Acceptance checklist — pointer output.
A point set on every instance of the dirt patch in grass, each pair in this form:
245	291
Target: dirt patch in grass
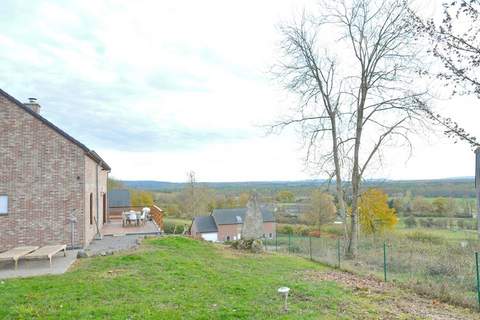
394	300
115	272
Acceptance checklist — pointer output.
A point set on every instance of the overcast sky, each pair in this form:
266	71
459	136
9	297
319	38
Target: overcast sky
159	88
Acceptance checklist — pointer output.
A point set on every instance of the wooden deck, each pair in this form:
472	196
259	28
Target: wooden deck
115	228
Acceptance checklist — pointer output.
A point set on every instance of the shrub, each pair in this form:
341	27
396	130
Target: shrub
426	223
439	223
315	233
284	229
410	222
172	228
253	245
333	229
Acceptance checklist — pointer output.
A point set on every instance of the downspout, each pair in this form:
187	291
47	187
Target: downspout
98	235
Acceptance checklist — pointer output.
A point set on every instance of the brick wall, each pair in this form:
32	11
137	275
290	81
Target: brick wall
269	228
229	230
43	175
233	230
91	167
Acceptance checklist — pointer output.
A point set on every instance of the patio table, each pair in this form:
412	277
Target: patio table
127	213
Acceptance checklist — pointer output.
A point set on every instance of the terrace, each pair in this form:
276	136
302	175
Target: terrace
116	226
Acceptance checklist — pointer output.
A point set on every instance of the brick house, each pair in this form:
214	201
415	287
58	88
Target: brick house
47	179
226	224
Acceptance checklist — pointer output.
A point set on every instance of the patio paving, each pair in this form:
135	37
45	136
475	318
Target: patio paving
115	228
31	268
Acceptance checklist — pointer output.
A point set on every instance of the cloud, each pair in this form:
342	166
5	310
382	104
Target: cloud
161	87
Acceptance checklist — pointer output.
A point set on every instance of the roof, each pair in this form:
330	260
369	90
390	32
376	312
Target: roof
237	215
205	224
90	153
118	198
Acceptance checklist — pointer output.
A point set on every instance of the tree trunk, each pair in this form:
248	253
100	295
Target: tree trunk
338	177
356	175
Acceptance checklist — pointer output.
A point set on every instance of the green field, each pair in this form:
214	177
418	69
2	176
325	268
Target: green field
179	278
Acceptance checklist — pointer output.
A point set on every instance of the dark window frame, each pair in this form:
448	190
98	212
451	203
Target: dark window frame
91	208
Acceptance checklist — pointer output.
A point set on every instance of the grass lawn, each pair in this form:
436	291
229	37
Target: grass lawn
441	233
179	278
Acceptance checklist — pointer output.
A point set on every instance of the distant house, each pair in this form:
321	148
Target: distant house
226	224
53	189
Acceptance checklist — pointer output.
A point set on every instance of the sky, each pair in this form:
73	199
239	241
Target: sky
161	88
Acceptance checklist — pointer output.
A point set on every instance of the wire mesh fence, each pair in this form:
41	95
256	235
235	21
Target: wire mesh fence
446	270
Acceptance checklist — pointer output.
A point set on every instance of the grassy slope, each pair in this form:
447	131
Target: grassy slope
173	278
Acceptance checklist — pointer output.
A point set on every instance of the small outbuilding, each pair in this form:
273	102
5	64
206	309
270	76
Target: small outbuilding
226	224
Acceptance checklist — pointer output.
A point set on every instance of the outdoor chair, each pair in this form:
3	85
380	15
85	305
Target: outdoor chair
146	210
142	217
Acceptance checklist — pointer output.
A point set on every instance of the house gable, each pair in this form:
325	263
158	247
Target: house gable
90	153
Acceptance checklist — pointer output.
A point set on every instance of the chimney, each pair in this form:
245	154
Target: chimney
33	105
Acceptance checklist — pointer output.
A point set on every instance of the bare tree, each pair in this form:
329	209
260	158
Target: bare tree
455	42
366	102
313	77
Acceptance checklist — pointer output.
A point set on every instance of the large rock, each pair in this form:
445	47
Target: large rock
82	254
253	224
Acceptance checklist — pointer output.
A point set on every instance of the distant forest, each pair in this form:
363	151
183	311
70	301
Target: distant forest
452	187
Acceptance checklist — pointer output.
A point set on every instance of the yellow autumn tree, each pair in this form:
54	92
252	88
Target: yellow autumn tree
141	198
375	214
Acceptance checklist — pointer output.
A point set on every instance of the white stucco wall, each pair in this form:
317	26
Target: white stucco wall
210	236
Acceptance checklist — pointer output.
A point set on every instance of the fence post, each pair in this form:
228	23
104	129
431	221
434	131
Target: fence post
478	278
385	261
276	242
289	240
338	252
310	245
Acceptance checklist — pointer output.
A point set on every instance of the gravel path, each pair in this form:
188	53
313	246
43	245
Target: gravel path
110	244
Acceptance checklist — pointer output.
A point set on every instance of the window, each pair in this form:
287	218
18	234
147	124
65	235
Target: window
91	208
270	235
3	204
228	238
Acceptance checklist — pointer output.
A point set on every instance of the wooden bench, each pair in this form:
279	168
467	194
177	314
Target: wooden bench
16	253
47	252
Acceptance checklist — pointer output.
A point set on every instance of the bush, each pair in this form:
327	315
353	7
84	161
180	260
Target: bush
461	223
172	228
439	223
253	245
333	229
315	233
284	229
426	223
410	222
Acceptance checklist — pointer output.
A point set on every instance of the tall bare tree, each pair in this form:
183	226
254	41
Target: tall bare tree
313	77
360	88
